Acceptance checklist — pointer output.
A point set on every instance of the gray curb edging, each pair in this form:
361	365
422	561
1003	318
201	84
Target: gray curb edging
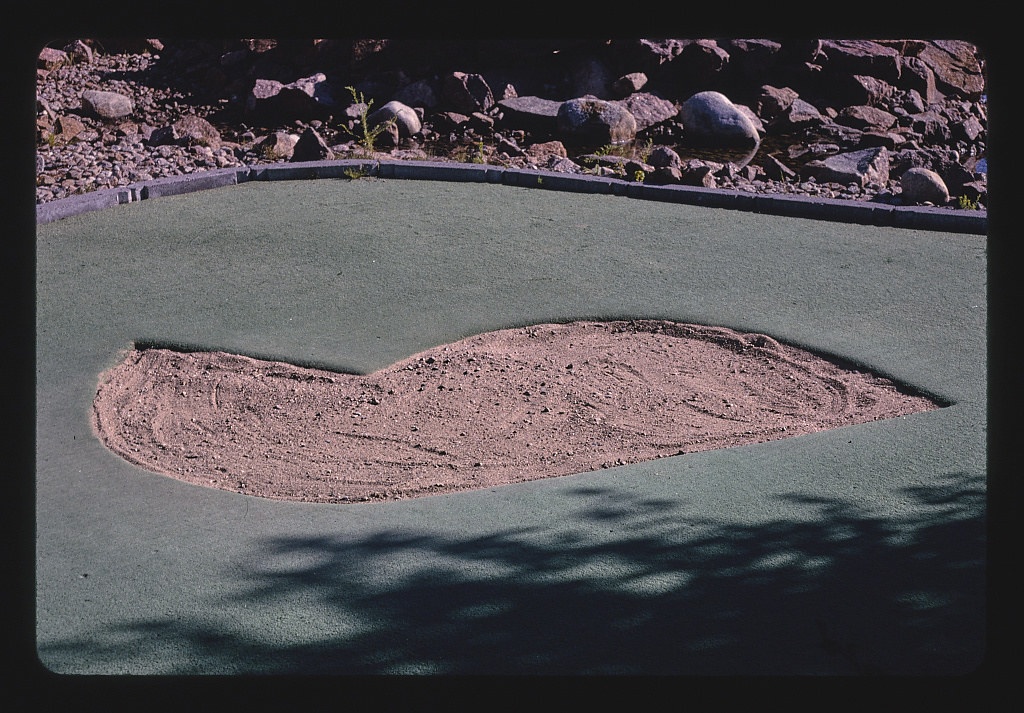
189	183
831	209
85	203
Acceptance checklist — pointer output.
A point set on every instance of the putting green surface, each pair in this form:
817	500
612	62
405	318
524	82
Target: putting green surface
848	551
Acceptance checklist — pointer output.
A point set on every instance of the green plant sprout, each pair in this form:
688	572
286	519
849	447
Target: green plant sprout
639	152
269	153
367	136
352	173
474	153
643	152
965	203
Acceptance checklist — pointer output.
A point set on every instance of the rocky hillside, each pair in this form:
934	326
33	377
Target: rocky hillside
900	121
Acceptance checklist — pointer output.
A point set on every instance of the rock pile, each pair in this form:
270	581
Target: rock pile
899	121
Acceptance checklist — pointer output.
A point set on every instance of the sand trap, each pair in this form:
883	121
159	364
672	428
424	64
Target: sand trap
496	408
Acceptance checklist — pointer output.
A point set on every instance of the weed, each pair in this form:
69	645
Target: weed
620	150
269	153
643	152
473	153
639	152
639	176
965	203
367	135
352	173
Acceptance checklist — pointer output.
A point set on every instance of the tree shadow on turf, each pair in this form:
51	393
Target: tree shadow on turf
839	591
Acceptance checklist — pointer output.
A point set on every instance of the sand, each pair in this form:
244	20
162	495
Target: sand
493	409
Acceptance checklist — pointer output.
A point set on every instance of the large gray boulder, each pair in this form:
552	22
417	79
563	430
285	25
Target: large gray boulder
863	57
922	185
303	98
956	67
868	166
107	105
648	109
404	116
530	113
587	120
711	118
466	92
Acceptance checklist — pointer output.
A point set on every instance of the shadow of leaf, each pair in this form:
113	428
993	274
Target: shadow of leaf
838	591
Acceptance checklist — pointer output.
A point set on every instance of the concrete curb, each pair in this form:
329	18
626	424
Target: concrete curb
830	209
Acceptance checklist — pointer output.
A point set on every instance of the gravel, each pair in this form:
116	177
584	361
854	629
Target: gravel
109	155
115	154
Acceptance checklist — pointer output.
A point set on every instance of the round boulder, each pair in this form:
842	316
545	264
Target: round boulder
922	185
404	116
596	122
710	118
